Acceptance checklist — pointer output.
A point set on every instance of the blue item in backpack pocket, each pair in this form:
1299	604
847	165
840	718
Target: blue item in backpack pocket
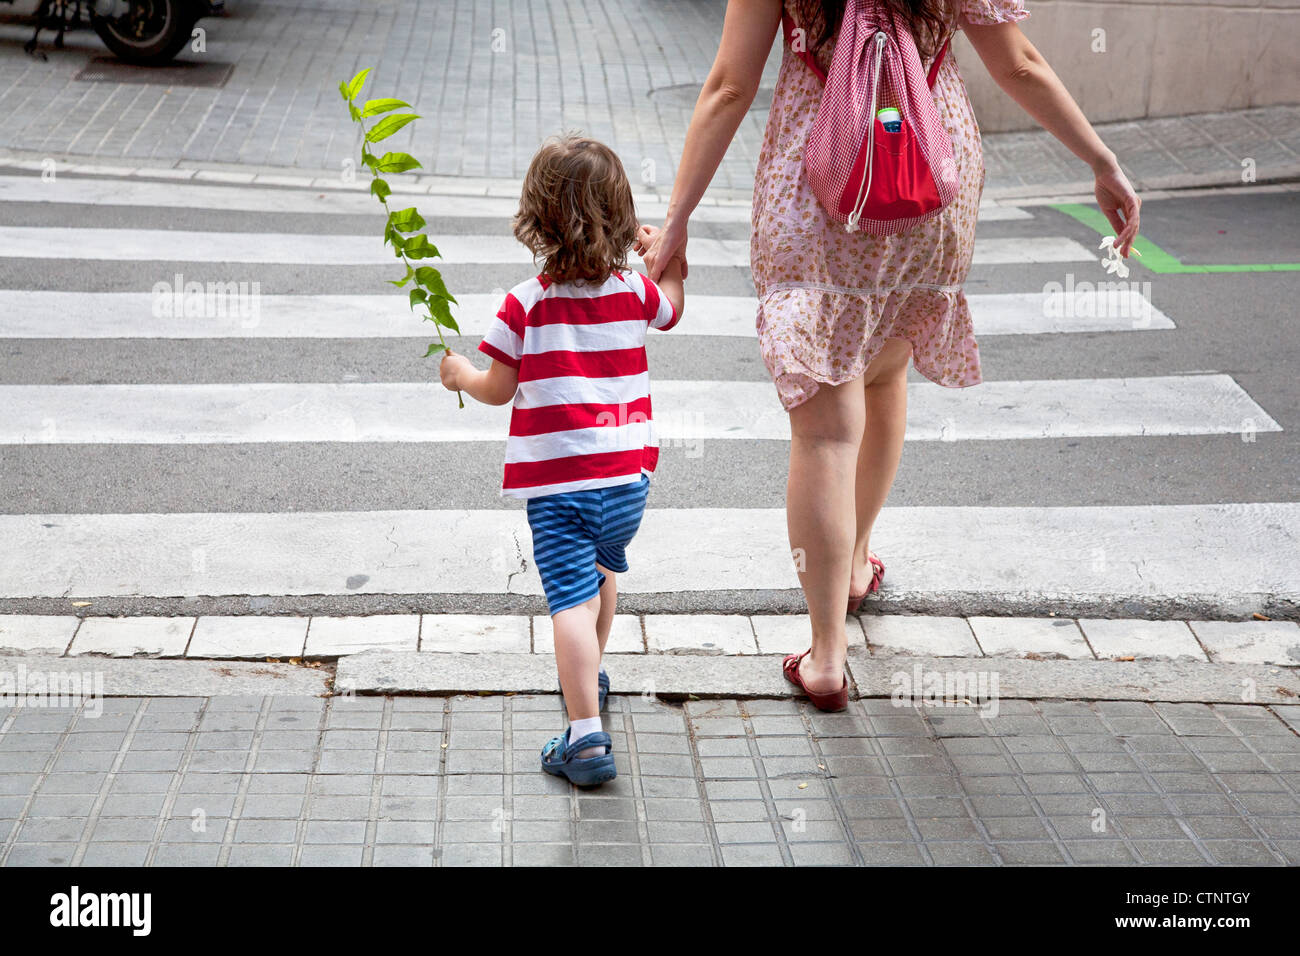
891	119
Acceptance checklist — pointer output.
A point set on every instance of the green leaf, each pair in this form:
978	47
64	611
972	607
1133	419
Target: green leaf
380	188
368	158
407	220
396	163
431	279
355	84
354	113
375	107
419	247
343	89
440	312
435	347
401	282
418	295
389	125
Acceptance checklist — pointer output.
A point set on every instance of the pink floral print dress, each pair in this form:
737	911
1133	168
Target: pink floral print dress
828	299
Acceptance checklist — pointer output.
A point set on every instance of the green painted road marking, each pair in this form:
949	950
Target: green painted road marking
1156	259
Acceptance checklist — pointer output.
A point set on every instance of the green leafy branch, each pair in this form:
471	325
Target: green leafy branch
403	229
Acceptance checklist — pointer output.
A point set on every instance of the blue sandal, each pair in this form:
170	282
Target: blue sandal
602	690
559	757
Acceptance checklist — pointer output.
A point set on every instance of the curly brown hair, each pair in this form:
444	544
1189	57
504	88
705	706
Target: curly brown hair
930	21
576	211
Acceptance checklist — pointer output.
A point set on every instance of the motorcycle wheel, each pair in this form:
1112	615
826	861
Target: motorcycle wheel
151	32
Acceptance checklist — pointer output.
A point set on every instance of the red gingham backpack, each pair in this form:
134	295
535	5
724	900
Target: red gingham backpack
881	179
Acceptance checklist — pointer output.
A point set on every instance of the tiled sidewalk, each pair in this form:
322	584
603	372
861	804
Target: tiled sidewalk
492	80
253	637
430	781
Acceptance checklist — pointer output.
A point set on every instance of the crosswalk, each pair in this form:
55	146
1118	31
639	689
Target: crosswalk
300	354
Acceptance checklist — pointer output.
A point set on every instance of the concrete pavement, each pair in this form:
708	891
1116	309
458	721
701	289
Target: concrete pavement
376	781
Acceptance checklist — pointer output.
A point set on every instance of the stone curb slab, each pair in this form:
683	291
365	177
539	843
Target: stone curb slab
1011	678
150	677
666	676
671	677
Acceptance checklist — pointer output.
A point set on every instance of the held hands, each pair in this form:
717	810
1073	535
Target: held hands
658	247
1120	204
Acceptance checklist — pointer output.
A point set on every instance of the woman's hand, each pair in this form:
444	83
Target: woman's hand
660	247
1120	204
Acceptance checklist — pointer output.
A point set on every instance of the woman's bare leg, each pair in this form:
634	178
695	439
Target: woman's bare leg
885	385
826	434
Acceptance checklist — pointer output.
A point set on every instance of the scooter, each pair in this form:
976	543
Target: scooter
147	32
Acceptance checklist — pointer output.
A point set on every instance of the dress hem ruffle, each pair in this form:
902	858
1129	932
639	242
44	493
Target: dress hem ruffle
934	319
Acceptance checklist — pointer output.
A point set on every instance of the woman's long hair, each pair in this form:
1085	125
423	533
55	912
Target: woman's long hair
929	20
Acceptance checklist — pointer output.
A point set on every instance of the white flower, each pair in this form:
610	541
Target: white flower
1113	263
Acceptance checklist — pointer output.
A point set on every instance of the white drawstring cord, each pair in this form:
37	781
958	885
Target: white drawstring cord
864	189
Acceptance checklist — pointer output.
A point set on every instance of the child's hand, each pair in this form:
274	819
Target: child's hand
644	236
452	370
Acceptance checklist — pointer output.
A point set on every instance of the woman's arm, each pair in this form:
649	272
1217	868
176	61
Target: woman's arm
747	34
1020	70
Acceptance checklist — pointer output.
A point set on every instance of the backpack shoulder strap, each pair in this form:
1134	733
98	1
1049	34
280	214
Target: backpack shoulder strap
788	27
938	62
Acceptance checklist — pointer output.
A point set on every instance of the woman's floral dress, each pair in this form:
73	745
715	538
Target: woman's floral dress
828	299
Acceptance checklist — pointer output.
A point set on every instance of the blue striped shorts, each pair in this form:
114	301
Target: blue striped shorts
575	529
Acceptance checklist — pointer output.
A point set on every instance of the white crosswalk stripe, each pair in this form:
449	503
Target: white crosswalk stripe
685	411
30	314
1168	553
1135	552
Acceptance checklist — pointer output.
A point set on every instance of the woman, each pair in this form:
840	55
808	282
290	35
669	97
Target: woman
841	313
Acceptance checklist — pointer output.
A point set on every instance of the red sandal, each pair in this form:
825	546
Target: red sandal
836	700
877	574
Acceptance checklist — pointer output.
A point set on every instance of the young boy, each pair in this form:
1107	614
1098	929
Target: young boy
568	347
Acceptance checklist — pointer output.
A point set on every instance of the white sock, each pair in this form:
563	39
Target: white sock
580	728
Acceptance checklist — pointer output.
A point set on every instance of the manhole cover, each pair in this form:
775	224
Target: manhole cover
685	94
106	69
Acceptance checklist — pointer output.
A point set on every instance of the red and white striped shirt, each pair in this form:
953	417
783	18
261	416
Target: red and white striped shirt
581	416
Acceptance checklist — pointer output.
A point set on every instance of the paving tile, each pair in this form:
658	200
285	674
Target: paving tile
700	634
1145	640
890	854
115	854
335	636
248	636
1024	636
752	854
475	633
397	855
922	635
37	633
331	856
253	854
681	854
132	636
1250	642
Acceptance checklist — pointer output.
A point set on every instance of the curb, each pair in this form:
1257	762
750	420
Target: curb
80	678
677	677
290	177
